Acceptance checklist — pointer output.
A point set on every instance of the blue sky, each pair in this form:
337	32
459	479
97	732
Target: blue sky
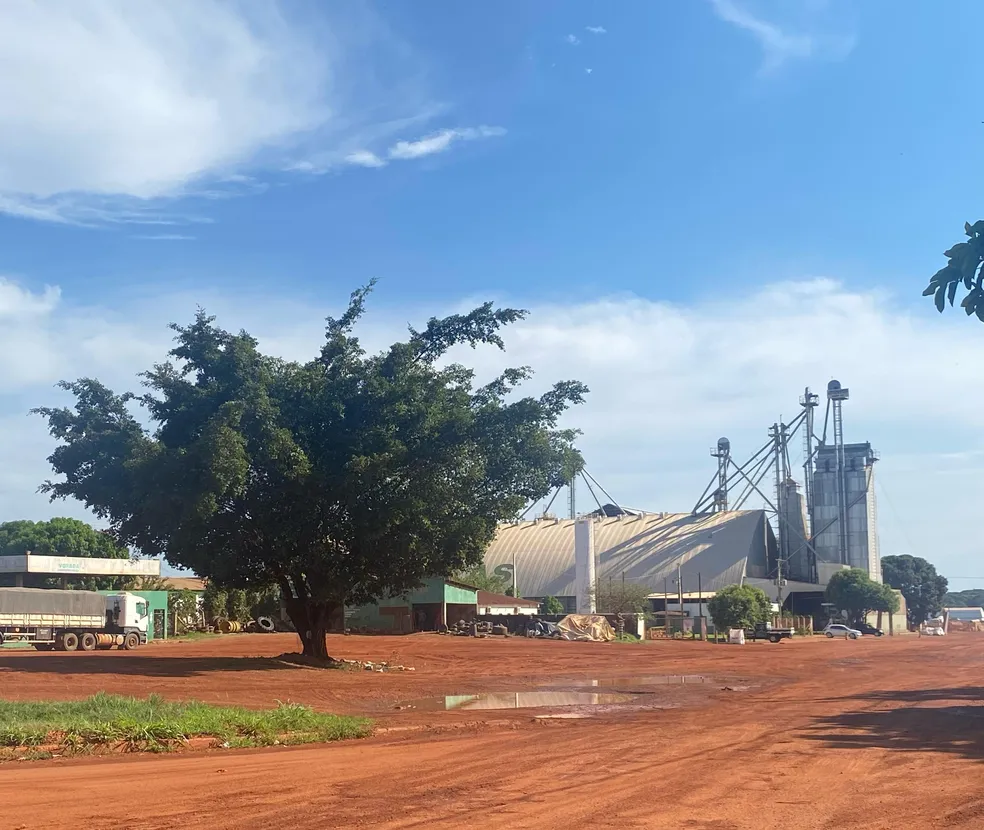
706	205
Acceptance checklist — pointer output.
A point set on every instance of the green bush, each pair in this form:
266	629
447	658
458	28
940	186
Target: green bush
739	606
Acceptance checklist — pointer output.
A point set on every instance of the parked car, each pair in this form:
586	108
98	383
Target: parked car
864	628
838	630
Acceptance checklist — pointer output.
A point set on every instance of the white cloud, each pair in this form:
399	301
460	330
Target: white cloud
165	237
666	381
596	30
573	40
588	71
140	99
109	109
364	158
779	43
440	141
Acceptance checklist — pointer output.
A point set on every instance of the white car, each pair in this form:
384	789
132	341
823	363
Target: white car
837	630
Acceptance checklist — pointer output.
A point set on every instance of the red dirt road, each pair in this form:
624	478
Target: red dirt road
817	735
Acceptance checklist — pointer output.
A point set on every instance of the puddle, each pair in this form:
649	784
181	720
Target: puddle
520	700
649	680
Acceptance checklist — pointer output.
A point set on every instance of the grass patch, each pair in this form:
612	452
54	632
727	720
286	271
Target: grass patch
156	725
627	638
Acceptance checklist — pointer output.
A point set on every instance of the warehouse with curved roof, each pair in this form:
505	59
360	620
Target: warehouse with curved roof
709	551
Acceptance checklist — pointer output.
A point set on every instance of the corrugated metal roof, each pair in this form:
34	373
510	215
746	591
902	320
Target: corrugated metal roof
722	547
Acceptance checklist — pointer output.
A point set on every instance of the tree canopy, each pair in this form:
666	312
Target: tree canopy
739	606
923	588
342	480
62	536
962	271
613	596
854	592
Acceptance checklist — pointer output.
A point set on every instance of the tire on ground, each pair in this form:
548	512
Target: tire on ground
69	641
87	642
131	641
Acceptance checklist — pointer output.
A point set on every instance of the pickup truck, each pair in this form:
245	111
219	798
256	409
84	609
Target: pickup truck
765	631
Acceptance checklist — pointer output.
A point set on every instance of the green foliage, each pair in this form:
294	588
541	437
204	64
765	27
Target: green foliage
64	537
739	606
154	724
344	479
552	605
239	606
973	598
182	609
478	577
853	591
923	588
613	596
963	270
215	602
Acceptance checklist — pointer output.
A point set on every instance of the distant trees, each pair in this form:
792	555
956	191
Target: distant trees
62	536
478	577
552	605
345	479
613	596
739	606
854	592
923	588
960	599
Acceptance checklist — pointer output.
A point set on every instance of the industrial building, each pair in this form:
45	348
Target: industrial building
846	488
790	548
673	553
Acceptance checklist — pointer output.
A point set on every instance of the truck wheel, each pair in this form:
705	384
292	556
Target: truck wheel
69	641
131	641
88	641
774	638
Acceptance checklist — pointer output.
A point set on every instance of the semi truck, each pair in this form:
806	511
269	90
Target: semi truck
72	620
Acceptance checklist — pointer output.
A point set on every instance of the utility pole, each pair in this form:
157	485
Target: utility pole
679	580
666	607
779	583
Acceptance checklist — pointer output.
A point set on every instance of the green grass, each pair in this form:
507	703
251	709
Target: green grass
155	725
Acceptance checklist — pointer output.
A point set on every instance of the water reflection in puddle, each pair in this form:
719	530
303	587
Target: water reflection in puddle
648	680
521	700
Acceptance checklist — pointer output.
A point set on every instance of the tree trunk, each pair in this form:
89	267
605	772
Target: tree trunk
320	616
311	620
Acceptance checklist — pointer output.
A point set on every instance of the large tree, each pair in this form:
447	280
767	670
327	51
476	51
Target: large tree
62	536
851	590
962	270
923	588
344	479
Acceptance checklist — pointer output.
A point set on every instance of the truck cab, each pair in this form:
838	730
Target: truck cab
128	612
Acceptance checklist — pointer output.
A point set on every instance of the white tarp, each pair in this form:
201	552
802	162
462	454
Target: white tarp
586	627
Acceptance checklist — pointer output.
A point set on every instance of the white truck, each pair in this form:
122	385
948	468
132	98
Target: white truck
71	620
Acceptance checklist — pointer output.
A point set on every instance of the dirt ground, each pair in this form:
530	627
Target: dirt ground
813	735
